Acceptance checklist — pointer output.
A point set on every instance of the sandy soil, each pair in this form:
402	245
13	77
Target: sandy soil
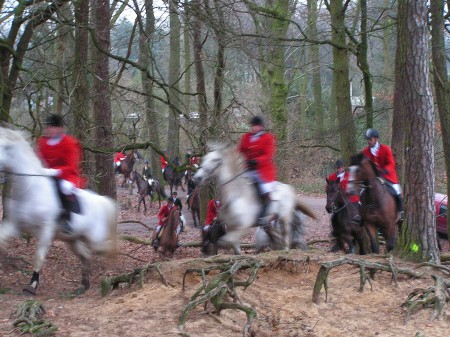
281	294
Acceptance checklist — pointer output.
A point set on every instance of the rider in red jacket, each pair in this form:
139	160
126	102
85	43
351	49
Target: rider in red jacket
258	147
62	154
381	155
342	176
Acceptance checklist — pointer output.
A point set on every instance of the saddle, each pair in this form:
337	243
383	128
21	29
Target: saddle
69	203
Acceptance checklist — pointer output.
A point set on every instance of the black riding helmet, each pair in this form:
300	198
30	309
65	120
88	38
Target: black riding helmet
339	163
54	120
256	120
370	133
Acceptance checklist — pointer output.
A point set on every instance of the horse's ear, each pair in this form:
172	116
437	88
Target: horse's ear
326	179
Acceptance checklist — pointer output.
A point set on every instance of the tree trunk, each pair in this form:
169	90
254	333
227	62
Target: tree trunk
346	124
79	106
418	234
173	133
364	66
441	84
106	184
146	34
317	106
200	75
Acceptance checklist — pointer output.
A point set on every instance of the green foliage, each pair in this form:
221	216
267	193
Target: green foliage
29	319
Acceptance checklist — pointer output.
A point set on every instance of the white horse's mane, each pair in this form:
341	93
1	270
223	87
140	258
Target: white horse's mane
20	139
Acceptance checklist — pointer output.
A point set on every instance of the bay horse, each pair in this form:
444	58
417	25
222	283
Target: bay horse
211	237
194	206
173	178
341	209
126	166
379	207
34	207
240	201
146	189
169	237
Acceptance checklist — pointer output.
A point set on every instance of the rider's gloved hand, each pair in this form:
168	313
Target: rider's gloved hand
252	164
52	172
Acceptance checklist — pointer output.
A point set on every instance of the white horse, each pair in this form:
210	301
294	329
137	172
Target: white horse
33	206
241	205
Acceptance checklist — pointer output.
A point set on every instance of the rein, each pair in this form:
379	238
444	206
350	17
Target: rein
236	176
27	174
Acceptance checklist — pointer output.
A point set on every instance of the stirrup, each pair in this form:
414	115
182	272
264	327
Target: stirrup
66	228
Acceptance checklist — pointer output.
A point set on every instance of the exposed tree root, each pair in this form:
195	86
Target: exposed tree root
282	263
29	319
364	267
221	285
110	283
435	297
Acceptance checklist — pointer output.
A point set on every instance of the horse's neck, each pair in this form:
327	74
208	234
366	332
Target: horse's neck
234	184
26	170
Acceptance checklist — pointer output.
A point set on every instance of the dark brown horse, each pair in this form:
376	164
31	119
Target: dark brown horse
194	206
210	237
173	178
144	189
379	208
126	166
342	210
169	236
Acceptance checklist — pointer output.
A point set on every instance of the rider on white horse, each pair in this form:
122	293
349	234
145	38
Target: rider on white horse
62	153
258	148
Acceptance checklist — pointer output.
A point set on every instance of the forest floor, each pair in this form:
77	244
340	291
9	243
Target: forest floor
281	294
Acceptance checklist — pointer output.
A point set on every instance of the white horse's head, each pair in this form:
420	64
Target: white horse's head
210	164
13	145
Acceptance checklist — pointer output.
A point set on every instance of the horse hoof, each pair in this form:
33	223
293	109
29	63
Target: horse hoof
29	291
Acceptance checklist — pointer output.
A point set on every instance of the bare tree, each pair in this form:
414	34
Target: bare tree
102	101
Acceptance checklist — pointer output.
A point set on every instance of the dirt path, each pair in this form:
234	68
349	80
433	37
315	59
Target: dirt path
280	294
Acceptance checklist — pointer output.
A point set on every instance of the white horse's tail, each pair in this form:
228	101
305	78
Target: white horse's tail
300	206
109	245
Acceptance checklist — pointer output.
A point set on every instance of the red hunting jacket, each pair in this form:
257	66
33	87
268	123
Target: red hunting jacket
384	161
163	214
211	211
163	162
344	183
119	156
65	156
262	149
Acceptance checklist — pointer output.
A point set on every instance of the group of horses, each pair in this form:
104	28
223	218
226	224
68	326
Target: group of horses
25	211
378	209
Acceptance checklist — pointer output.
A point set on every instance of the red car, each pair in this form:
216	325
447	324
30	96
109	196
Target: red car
441	202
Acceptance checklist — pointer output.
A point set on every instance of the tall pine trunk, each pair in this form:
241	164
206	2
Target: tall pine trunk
417	240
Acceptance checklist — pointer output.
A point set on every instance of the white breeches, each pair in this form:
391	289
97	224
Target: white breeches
67	187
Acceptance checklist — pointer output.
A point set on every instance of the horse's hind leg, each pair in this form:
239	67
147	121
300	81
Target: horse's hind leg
83	252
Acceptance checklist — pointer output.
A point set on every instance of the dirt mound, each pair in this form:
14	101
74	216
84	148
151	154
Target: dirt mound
281	293
281	296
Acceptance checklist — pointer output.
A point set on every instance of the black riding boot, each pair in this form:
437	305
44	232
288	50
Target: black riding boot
356	214
262	219
70	205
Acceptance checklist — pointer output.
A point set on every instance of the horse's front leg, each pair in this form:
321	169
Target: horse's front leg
373	233
46	236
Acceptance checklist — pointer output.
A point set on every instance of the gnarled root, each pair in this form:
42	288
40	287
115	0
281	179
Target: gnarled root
221	285
109	283
435	297
364	268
